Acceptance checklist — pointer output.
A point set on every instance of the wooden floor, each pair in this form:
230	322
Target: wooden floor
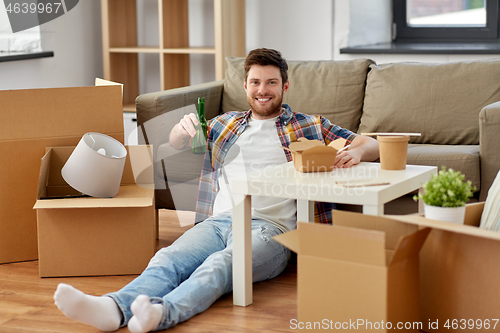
26	303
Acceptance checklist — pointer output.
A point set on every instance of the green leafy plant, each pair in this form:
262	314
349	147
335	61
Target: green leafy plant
447	188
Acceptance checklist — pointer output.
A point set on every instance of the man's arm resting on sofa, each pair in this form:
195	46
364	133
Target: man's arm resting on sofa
489	137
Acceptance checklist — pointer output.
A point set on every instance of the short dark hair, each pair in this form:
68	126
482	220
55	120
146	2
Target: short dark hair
266	57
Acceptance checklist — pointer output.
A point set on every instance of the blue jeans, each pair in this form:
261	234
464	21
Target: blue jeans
192	273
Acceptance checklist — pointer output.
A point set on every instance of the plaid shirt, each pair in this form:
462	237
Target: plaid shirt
225	129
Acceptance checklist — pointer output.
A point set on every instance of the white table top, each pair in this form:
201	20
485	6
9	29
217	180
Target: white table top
285	182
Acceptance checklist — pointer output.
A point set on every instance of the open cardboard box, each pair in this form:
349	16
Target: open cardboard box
459	273
313	155
33	119
358	273
84	236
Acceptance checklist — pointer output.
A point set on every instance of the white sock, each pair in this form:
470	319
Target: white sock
146	316
100	312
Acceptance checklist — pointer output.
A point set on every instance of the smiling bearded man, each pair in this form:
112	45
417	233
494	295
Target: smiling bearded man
265	87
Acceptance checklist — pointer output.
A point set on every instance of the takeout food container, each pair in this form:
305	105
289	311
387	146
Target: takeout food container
313	155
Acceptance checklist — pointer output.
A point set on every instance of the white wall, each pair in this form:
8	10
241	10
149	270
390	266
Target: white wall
369	22
148	35
76	41
300	29
201	33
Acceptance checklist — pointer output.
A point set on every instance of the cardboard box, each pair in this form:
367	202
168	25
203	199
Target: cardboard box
313	155
83	236
33	119
460	266
360	273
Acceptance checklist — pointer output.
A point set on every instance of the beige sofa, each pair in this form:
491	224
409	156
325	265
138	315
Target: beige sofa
455	107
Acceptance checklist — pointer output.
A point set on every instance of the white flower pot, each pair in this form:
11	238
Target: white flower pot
448	214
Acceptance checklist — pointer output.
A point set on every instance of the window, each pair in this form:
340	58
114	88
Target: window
445	20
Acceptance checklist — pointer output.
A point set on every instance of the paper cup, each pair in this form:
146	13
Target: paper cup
393	151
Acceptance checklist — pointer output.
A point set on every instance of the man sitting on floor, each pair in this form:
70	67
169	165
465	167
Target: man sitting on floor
185	278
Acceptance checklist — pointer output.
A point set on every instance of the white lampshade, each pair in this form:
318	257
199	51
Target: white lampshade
96	166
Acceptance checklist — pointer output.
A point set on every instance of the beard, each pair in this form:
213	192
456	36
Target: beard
269	109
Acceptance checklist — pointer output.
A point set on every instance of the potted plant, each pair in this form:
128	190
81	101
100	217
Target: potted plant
445	196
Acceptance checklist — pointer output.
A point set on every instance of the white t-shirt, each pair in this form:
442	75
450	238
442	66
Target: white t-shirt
257	147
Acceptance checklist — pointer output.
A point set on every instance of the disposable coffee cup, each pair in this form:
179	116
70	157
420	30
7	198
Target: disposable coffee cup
393	151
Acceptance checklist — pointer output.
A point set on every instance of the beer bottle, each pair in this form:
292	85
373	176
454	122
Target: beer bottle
199	145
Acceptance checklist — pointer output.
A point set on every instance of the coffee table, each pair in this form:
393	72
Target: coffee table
284	181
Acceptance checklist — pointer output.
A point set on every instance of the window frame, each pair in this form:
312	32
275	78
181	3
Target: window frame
405	33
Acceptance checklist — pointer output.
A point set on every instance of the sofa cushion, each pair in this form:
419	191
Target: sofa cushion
462	158
441	101
334	89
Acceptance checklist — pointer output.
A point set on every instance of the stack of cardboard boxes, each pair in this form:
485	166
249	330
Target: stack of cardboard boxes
84	236
385	273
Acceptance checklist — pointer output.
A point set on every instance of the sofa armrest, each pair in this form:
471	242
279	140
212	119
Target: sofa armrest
168	107
489	137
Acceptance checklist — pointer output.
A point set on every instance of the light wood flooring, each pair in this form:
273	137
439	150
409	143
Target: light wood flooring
26	303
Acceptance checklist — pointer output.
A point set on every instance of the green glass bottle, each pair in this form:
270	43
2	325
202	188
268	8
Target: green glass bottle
199	145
